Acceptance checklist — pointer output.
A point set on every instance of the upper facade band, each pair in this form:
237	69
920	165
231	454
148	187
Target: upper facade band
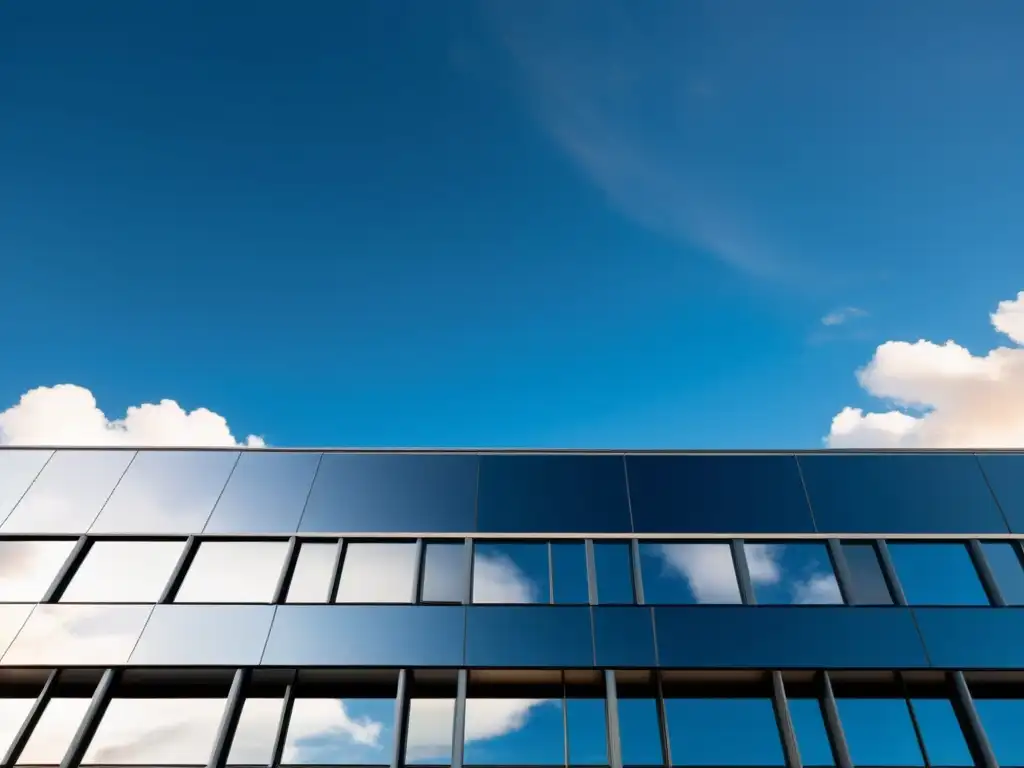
154	491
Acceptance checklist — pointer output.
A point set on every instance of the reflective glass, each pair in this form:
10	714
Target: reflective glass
12	714
204	635
52	735
958	638
614	573
811	736
430	730
623	637
445	573
123	572
366	635
586	731
12	618
325	731
940	731
639	733
514	732
937	574
155	732
529	636
1005	565
392	493
680	574
510	573
1005	474
233	572
900	493
265	493
69	492
1001	719
312	577
553	494
166	492
792	574
18	468
569	573
717	494
27	568
378	573
868	585
257	730
879	732
78	635
704	732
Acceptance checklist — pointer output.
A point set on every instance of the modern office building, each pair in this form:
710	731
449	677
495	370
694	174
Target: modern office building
263	607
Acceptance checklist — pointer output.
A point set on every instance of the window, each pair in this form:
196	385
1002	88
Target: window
534	734
937	574
792	573
811	736
312	577
682	574
639	732
868	585
940	731
879	732
233	572
431	726
586	731
1004	561
12	714
27	568
445	573
569	573
52	735
123	572
333	731
704	732
1001	719
614	573
510	573
254	739
377	573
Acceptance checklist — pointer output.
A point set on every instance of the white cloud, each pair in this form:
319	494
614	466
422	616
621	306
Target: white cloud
944	396
67	414
840	316
819	589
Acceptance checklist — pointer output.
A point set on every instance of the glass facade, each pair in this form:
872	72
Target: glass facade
296	608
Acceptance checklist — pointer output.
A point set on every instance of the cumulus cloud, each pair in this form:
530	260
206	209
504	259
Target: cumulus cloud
943	396
67	414
840	316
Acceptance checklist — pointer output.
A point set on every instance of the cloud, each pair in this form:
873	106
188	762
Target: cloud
843	315
943	395
67	414
819	589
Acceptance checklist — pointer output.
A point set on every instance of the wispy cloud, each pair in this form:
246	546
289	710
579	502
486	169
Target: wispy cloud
843	315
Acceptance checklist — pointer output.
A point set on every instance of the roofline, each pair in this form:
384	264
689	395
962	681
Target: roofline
530	451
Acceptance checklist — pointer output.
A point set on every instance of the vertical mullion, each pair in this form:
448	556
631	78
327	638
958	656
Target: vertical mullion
592	595
844	576
87	728
739	561
565	720
335	580
287	570
188	554
31	720
229	719
833	726
662	712
281	735
467	584
611	717
889	571
784	722
459	720
638	577
970	723
401	726
67	570
551	579
988	579
417	571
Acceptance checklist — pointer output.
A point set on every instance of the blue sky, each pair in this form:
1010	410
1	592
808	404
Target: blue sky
473	223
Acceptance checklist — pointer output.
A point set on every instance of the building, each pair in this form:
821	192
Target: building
263	607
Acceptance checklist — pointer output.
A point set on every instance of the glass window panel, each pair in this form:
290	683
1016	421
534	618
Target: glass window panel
431	725
233	572
510	573
313	573
514	732
682	574
940	730
614	573
325	731
18	468
811	736
569	573
587	736
69	492
204	635
792	574
1001	719
1006	567
52	735
937	574
265	494
703	732
166	492
868	585
27	568
378	573
12	714
78	635
257	730
445	573
123	572
155	731
639	733
879	732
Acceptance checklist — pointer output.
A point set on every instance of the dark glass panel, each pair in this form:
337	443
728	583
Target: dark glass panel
973	638
794	573
1004	561
378	572
624	637
639	732
569	573
18	468
787	637
514	732
69	492
326	731
900	493
553	494
937	574
683	574
868	585
204	635
12	619
430	731
123	572
879	732
366	635
614	567
1001	719
78	635
1005	473
529	636
940	731
704	732
28	567
586	731
166	492
392	493
445	573
265	494
811	736
717	494
510	573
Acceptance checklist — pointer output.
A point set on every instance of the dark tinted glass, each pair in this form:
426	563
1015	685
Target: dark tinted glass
529	636
639	734
392	493
965	638
18	468
614	573
879	732
510	573
569	572
811	736
704	732
868	586
445	573
1005	473
265	493
203	635
900	494
553	494
534	734
1001	719
586	732
794	573
1004	561
717	494
937	574
940	731
681	574
623	637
